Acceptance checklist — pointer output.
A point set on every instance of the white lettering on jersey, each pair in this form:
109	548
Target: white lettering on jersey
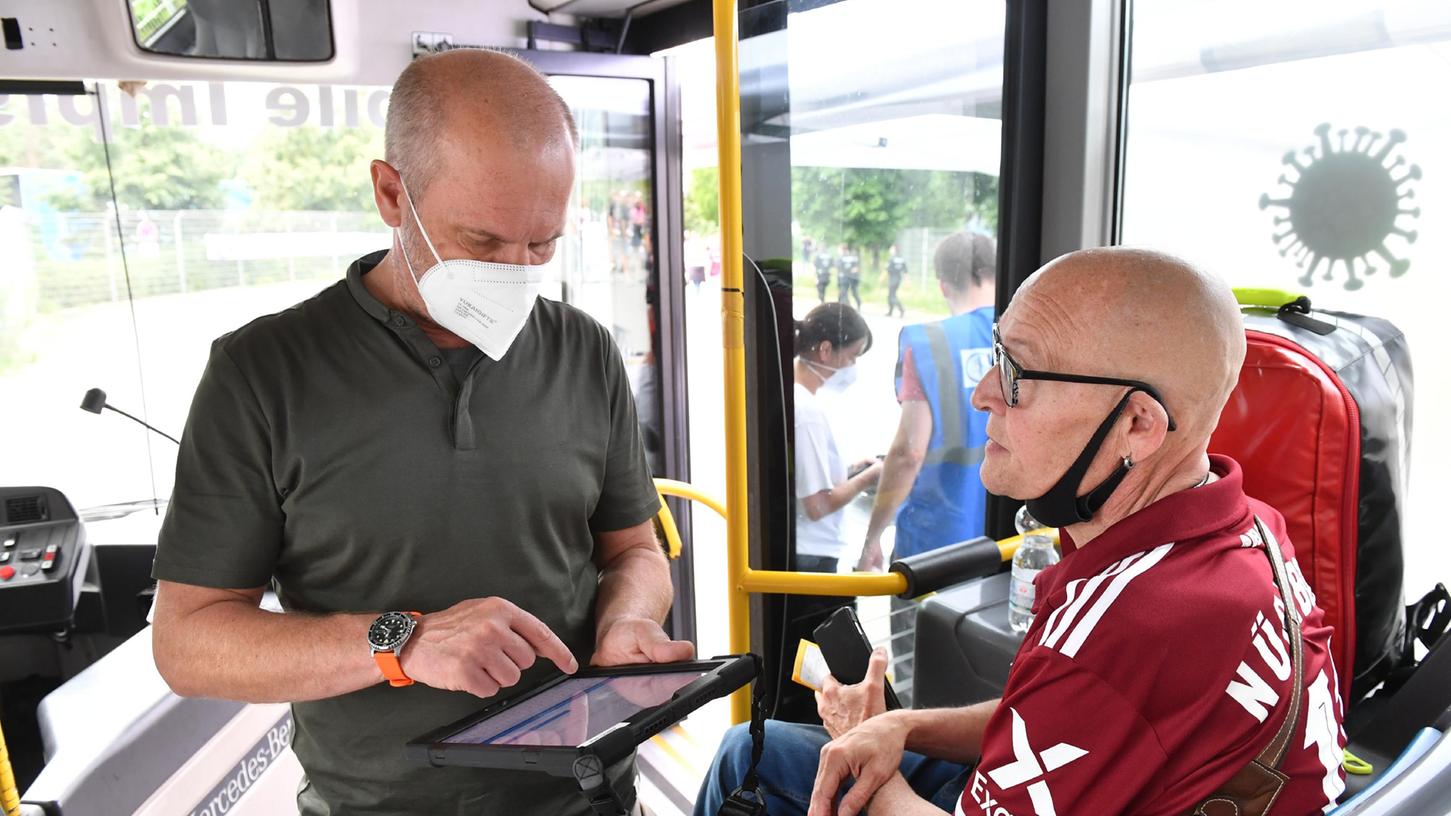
1322	730
1254	694
1071	621
976	363
1029	768
1300	588
1272	646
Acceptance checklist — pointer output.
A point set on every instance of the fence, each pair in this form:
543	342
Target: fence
78	255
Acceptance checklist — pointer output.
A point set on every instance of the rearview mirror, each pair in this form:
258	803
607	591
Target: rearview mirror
271	30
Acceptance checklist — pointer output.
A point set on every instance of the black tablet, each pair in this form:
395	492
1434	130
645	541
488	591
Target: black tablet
599	712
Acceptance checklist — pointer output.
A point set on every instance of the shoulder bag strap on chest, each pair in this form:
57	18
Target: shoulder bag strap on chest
1252	791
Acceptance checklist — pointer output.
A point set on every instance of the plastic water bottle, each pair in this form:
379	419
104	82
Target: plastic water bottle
1034	555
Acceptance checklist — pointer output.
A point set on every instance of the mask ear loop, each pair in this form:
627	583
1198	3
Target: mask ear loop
421	231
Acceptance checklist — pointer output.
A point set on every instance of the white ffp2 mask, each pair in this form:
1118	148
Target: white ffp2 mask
486	304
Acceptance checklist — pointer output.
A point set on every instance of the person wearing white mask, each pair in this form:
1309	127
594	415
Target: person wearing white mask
828	343
440	473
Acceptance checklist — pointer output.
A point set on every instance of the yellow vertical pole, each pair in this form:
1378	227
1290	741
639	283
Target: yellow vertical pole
733	315
9	797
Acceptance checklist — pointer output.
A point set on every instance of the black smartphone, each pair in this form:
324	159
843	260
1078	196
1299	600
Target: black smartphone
847	651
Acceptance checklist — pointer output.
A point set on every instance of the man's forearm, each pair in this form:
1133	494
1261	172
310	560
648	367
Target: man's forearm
899	473
634	585
948	733
897	797
235	652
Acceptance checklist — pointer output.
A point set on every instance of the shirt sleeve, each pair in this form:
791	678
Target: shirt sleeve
1064	741
813	457
224	524
909	387
628	495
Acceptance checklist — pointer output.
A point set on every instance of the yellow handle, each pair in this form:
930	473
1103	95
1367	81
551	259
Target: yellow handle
9	796
1265	298
666	520
1355	765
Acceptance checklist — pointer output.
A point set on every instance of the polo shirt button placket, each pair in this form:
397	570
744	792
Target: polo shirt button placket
435	361
400	321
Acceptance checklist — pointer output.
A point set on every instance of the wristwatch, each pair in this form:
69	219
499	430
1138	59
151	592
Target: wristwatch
386	637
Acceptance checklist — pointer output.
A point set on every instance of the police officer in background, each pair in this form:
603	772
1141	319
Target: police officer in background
823	263
848	276
896	270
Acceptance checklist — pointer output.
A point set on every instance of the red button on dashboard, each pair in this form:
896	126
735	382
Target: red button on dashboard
6	573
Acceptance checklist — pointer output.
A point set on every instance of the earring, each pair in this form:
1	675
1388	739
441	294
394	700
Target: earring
1128	462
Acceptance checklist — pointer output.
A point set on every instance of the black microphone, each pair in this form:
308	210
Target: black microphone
95	400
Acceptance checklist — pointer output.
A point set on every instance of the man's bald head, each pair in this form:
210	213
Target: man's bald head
443	100
1143	315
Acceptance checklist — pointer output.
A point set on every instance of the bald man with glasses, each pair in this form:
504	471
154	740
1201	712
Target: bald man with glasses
1176	655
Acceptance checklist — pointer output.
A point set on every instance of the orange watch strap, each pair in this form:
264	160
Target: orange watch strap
392	668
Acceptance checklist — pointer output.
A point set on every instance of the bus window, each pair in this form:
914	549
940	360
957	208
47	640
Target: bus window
1292	146
233	199
894	156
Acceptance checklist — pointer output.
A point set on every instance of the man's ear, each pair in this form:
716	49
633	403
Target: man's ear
388	193
1148	425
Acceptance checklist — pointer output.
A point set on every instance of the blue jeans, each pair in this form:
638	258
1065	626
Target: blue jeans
788	770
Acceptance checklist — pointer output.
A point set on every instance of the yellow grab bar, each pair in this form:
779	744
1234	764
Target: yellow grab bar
670	487
9	796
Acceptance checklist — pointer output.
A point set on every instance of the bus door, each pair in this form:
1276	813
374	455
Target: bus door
620	247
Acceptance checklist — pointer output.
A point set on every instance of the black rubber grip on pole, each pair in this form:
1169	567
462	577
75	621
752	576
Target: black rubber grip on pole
932	570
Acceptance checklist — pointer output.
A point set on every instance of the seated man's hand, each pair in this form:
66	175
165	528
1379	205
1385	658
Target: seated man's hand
624	641
869	753
843	707
480	646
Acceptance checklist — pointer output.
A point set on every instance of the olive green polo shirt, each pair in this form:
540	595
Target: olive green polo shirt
333	451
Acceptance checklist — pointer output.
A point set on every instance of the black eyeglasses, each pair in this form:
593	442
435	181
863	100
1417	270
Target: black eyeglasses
1010	374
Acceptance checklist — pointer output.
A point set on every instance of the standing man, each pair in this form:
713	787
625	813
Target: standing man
823	263
931	469
848	276
436	505
896	270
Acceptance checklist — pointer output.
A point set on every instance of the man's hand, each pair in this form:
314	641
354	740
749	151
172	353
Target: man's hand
480	646
843	708
869	753
871	559
869	471
637	640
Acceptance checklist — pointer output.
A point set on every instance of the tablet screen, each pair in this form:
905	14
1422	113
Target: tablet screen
576	710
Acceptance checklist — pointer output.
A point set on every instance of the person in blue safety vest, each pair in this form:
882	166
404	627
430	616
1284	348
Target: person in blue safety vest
930	481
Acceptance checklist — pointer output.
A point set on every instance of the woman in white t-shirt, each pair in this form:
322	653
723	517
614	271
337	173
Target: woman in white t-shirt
828	342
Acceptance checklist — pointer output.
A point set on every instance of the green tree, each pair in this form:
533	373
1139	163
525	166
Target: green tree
864	209
155	168
702	201
313	168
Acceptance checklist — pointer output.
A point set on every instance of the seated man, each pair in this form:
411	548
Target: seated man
1159	663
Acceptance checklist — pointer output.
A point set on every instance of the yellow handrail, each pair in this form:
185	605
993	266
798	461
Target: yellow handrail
9	796
670	487
733	319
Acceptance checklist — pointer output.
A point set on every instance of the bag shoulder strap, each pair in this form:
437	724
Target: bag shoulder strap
1253	789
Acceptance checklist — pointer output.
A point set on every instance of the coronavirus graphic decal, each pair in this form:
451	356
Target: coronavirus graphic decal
1344	203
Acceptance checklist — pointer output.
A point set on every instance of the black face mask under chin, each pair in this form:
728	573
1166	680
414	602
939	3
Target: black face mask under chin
1061	505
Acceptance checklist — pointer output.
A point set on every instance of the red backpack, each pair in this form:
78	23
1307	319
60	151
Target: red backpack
1321	424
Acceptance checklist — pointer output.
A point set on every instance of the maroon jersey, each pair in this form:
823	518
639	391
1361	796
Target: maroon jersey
1157	666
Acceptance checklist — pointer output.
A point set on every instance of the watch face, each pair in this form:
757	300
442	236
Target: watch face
390	630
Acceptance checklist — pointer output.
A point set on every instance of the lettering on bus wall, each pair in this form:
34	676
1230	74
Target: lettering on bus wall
244	774
197	104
